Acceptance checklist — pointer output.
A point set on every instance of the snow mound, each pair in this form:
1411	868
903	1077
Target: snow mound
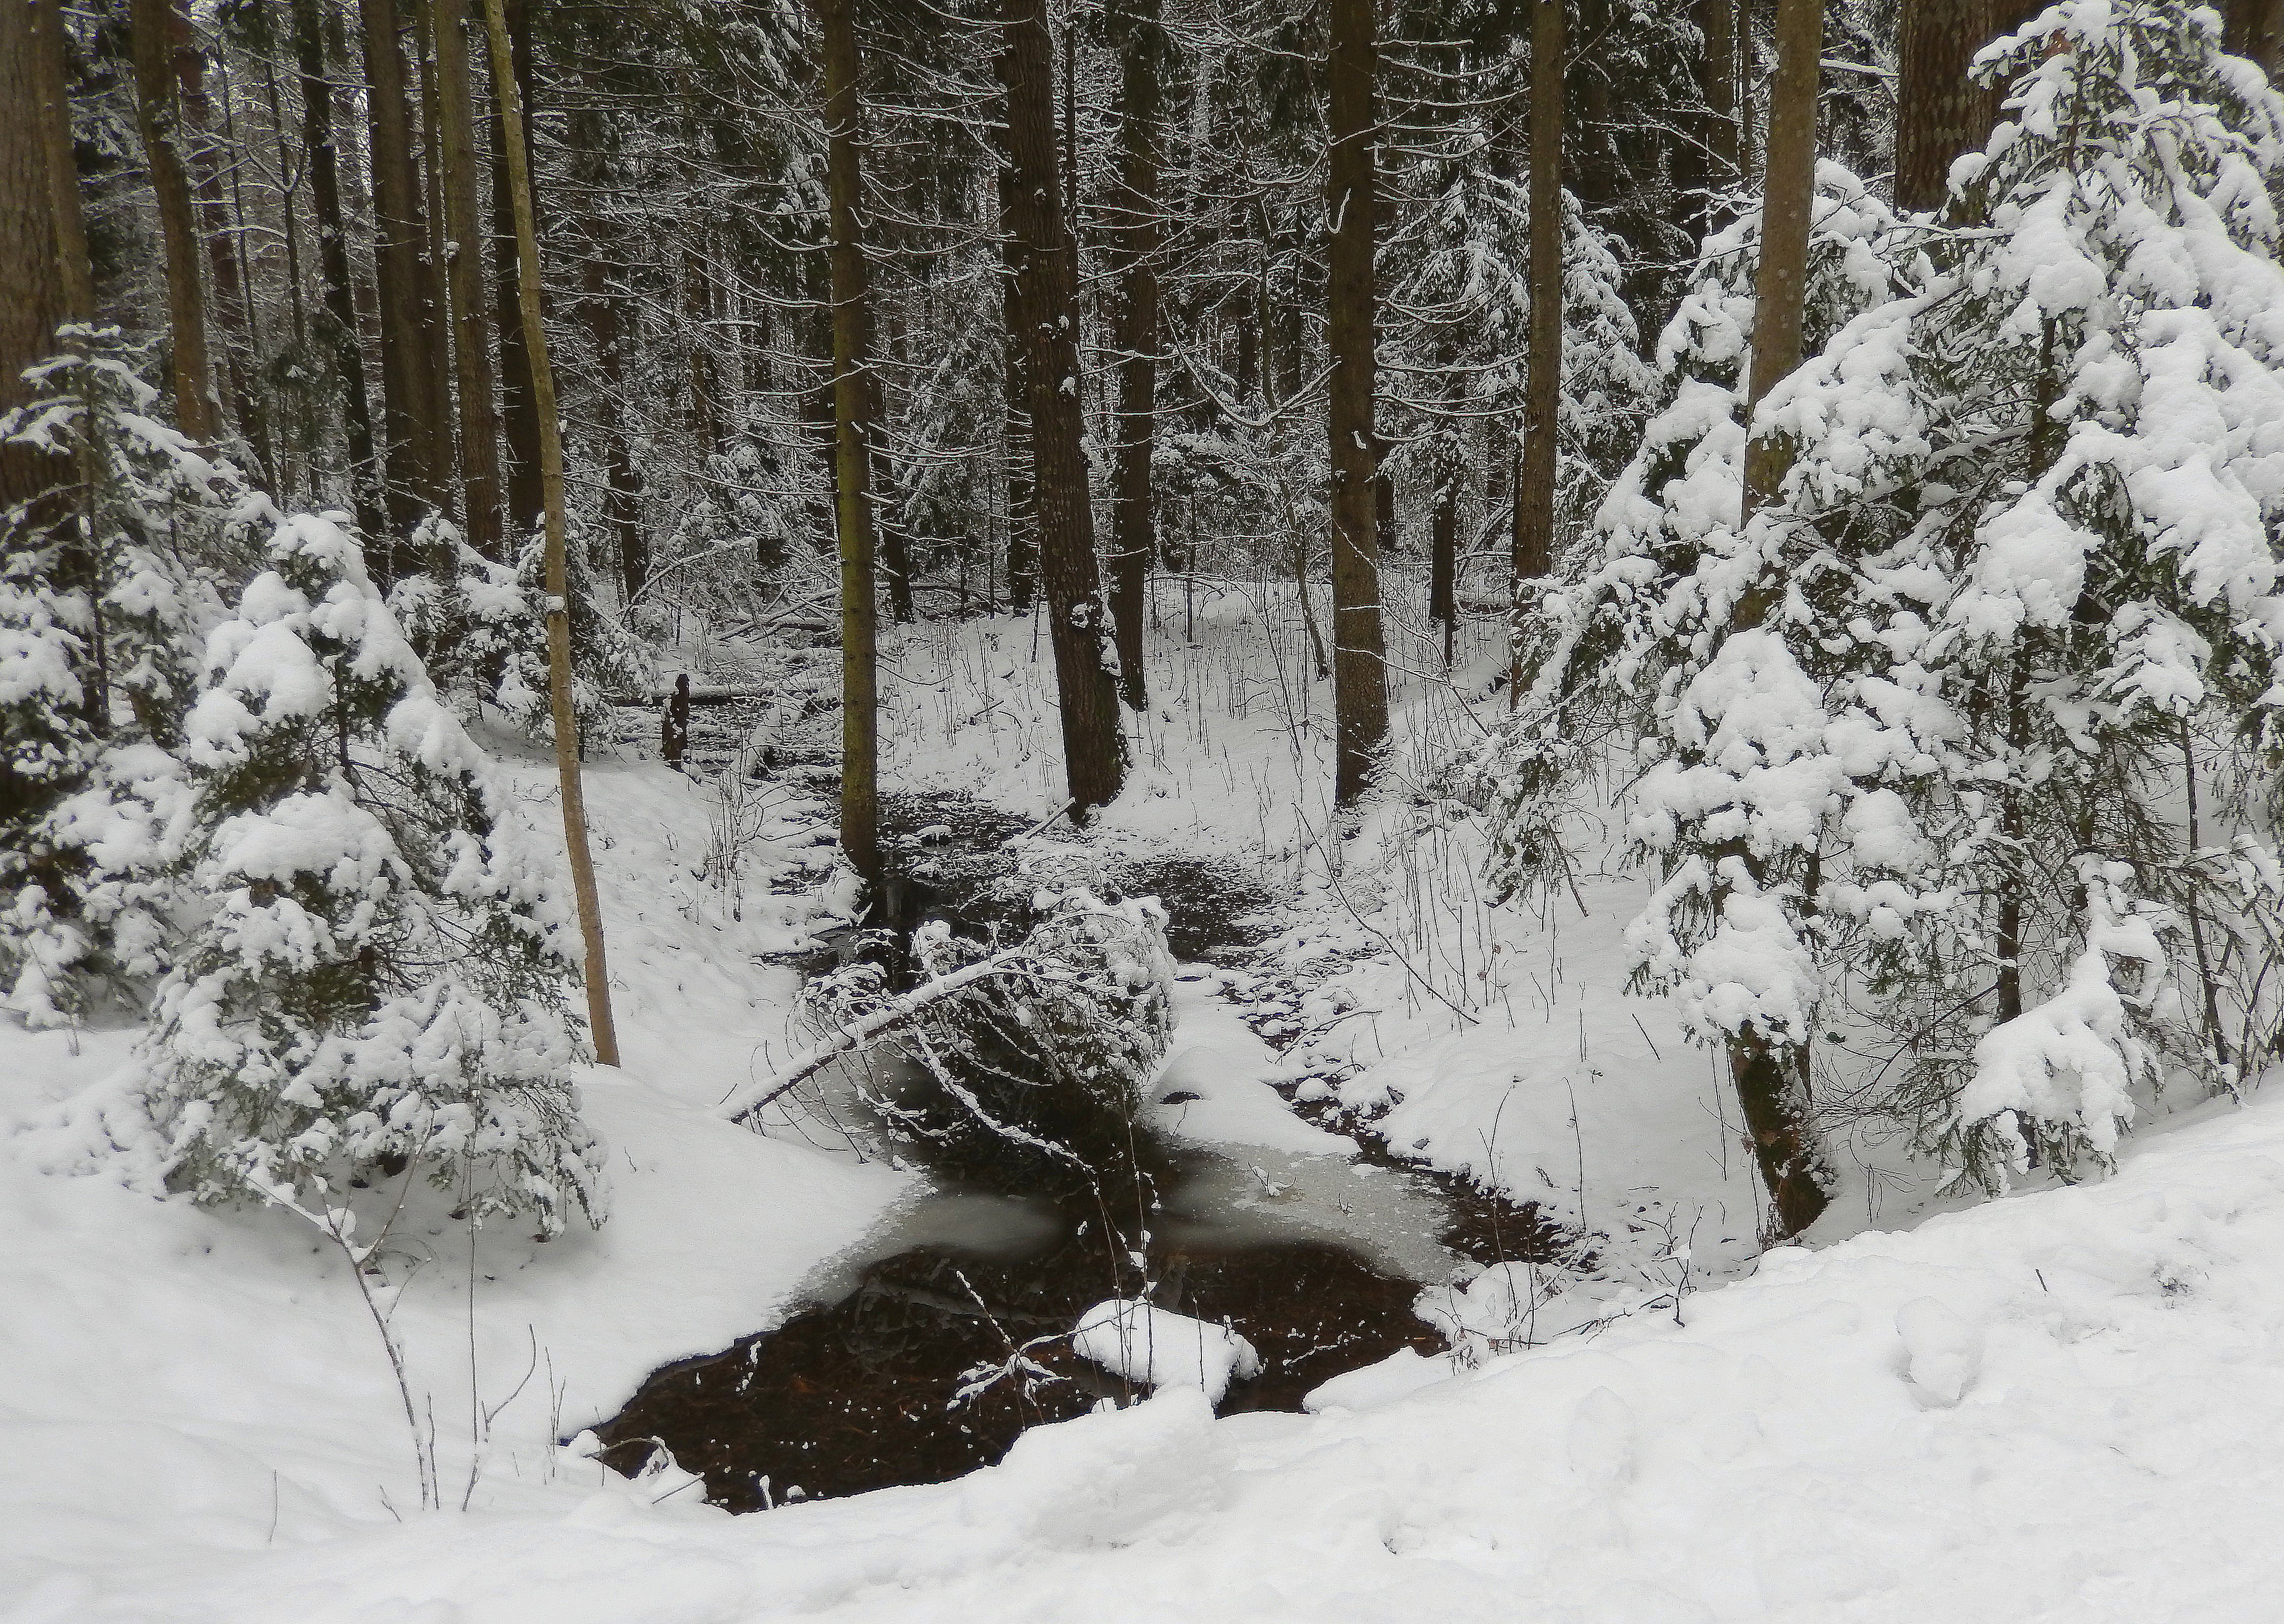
1163	1349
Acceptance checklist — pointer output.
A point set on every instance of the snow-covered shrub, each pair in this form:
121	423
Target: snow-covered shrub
382	980
106	591
1040	1073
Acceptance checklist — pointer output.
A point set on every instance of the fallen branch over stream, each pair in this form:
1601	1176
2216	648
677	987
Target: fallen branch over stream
847	1039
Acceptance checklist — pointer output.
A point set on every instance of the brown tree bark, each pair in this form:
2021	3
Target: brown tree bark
1047	308
43	265
852	402
1136	233
1359	664
411	420
471	332
1940	112
2256	29
161	30
595	970
518	416
339	325
1788	194
1542	399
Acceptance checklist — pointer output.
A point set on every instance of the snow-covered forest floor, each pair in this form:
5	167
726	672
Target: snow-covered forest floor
2050	1406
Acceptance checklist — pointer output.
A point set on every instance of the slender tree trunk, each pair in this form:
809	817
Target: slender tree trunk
340	303
410	420
602	310
1023	515
1359	665
1717	20
232	332
518	416
596	969
1444	559
1788	195
1137	232
895	559
852	399
471	333
1773	1082
701	418
1047	311
435	271
161	32
1541	401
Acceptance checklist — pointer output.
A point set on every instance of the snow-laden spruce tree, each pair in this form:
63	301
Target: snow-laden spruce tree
1644	597
107	592
381	981
2097	472
1962	727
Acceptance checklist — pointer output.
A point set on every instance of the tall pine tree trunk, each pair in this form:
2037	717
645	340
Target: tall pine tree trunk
595	968
410	421
518	416
1046	309
1541	401
43	263
1136	225
852	402
1940	112
340	303
1771	1082
161	32
45	283
471	333
1359	666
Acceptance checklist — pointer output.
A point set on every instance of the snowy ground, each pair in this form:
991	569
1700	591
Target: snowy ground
2056	1406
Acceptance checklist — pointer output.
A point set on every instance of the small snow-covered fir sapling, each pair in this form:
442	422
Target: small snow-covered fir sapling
481	629
107	587
382	980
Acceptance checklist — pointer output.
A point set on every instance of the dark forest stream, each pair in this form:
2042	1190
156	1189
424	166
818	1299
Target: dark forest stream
928	1350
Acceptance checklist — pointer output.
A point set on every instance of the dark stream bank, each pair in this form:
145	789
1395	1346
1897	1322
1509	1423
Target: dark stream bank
928	1360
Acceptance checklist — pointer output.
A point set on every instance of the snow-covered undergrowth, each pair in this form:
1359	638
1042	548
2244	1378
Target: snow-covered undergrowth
187	1379
2054	1406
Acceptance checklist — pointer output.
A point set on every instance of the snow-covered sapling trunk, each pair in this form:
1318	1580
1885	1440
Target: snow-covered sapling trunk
380	979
